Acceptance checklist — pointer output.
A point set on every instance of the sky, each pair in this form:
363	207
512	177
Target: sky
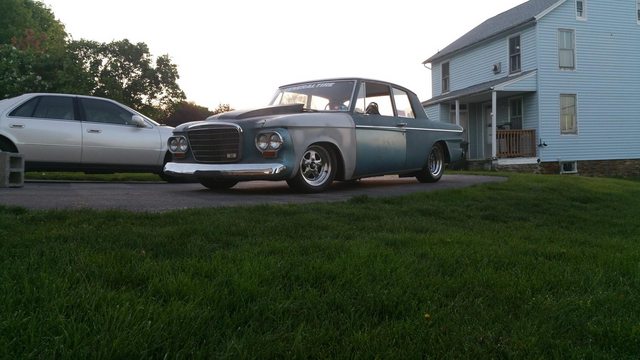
238	52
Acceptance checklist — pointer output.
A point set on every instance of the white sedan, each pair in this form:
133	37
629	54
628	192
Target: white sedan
64	132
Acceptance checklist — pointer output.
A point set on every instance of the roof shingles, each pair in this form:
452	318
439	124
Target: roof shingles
509	19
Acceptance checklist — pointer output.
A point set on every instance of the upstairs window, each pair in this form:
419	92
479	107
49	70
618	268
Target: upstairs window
514	54
581	9
566	49
445	77
638	10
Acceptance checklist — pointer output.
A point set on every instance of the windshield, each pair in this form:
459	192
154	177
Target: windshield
318	96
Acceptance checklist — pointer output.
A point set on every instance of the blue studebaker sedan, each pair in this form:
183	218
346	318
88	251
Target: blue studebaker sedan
314	133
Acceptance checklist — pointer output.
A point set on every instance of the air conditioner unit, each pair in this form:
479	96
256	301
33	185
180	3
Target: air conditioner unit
497	68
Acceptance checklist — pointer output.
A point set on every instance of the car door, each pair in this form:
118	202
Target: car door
380	135
45	130
110	137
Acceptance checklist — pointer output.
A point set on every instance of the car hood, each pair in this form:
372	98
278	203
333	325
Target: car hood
246	117
275	116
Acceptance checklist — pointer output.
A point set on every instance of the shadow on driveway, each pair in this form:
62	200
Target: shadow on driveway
155	197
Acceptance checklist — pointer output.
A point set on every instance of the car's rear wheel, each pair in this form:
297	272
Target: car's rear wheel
7	146
217	184
316	170
435	165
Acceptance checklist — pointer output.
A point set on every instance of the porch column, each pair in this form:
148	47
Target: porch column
494	127
458	112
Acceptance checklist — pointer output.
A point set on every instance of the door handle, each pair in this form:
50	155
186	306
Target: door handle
94	131
402	124
16	126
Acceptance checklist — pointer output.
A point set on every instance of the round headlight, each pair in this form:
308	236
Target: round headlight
183	145
173	144
275	141
262	142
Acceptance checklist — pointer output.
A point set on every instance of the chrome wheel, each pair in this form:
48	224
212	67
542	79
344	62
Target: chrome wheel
316	171
435	165
315	166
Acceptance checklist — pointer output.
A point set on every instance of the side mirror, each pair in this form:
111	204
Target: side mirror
138	121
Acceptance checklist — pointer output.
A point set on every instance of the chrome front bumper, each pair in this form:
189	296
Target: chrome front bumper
258	171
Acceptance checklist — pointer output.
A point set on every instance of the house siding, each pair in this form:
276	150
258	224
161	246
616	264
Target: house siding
476	66
606	81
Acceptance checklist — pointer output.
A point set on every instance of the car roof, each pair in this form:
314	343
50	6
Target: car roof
348	79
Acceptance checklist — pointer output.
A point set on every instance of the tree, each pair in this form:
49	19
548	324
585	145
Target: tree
32	48
189	111
124	72
29	24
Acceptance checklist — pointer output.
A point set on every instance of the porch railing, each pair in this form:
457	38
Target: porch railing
516	143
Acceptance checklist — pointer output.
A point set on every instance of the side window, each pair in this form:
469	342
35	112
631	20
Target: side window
445	69
403	104
105	112
47	107
514	54
374	99
568	114
26	109
566	49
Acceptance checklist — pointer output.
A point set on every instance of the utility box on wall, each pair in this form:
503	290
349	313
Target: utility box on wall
11	169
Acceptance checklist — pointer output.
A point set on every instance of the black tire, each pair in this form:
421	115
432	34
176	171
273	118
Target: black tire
435	165
316	170
218	184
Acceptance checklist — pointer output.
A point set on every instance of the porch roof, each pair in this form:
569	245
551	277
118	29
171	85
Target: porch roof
524	82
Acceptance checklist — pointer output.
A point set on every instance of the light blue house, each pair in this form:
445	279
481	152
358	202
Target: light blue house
549	84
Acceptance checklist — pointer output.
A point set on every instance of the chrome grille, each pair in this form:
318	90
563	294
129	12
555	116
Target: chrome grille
215	144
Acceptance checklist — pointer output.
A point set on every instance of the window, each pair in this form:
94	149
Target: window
515	113
105	112
374	99
514	54
566	49
403	104
568	114
638	10
47	107
581	9
445	77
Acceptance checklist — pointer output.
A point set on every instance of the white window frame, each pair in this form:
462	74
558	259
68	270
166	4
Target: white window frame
445	79
573	131
575	46
584	10
519	54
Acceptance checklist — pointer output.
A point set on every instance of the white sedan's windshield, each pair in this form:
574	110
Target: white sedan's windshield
319	96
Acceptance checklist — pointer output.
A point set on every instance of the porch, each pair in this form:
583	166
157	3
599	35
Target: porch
516	144
499	118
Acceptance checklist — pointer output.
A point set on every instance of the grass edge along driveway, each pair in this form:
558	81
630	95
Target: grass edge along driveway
536	267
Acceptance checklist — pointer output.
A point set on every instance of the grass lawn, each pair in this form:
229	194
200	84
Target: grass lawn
536	267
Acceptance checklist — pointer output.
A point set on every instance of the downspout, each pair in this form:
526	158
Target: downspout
457	112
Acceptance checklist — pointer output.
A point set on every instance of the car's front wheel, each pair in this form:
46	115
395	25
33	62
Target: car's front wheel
316	170
217	184
435	165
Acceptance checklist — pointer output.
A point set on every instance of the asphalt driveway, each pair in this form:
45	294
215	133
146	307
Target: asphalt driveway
154	197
